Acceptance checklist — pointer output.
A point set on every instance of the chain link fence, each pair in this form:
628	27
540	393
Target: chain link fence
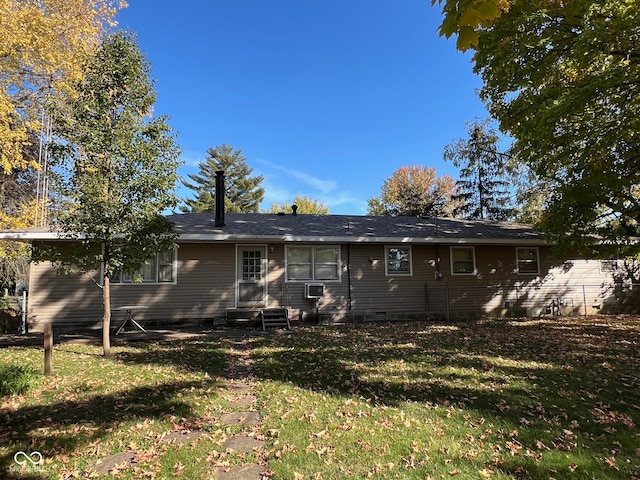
451	302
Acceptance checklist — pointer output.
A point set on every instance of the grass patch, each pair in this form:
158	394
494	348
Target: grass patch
554	398
17	379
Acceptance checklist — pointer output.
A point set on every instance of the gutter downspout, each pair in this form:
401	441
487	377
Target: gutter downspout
349	276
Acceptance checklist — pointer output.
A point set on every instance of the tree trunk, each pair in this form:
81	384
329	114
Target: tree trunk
106	319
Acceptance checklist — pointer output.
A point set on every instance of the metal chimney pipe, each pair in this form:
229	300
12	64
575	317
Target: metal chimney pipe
219	199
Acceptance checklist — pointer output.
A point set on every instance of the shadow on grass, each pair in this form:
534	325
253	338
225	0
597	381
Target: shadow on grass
64	426
207	355
572	385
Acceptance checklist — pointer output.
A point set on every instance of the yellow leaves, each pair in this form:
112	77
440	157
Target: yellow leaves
466	17
43	46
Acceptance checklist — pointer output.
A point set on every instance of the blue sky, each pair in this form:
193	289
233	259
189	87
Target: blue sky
325	98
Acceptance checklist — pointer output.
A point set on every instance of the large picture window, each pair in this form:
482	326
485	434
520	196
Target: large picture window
398	260
463	260
527	260
160	269
313	263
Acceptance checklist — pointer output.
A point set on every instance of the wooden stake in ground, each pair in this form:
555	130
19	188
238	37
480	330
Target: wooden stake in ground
48	348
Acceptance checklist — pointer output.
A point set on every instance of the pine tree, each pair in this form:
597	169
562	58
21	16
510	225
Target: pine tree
243	192
483	188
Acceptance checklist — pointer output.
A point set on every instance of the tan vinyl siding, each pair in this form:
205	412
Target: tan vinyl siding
205	288
375	291
63	298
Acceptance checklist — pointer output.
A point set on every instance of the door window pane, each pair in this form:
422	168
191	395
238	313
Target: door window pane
251	265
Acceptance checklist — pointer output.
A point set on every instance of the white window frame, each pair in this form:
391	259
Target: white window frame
535	249
473	259
156	281
610	264
314	263
398	273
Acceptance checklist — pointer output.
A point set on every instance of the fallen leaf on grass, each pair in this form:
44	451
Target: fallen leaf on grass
611	461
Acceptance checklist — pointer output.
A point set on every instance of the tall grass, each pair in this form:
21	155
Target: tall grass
17	379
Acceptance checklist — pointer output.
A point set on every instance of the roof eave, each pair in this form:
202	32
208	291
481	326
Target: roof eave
197	237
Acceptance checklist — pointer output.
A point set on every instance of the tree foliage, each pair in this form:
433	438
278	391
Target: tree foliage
305	205
483	188
465	18
243	192
415	191
41	50
116	169
563	78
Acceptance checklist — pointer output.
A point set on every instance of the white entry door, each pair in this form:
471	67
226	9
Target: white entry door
252	276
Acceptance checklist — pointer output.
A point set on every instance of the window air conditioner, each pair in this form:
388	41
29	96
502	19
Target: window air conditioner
314	290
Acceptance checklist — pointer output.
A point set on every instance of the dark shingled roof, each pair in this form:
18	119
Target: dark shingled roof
349	228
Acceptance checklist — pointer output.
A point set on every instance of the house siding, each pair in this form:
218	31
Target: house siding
204	290
206	287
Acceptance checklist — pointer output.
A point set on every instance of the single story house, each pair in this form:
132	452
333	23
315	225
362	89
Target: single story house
337	267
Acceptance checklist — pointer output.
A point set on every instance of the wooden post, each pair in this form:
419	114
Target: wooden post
48	348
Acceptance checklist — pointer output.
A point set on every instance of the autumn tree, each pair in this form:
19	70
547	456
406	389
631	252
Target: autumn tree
305	205
41	50
243	192
415	191
483	188
467	18
116	167
563	80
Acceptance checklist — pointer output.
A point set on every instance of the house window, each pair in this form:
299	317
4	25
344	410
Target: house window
398	260
160	269
610	264
463	260
527	260
313	263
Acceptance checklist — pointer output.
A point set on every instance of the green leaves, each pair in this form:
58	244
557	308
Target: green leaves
563	79
466	17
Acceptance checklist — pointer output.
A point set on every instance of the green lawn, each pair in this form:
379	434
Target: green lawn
553	398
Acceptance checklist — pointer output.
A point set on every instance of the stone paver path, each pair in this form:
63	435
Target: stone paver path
241	389
241	401
104	466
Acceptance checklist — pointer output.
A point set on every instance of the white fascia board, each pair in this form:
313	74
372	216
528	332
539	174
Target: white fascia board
28	236
194	237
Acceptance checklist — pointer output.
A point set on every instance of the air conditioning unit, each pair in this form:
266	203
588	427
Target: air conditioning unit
314	290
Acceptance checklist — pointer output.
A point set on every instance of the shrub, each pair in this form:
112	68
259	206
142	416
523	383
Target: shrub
17	379
10	319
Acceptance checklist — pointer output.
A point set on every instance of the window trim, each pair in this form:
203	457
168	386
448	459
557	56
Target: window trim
313	278
537	250
386	261
609	265
473	259
174	272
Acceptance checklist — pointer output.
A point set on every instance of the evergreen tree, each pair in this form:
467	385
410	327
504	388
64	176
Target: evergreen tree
483	188
243	192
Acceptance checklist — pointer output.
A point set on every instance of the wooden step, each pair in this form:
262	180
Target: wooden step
275	317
